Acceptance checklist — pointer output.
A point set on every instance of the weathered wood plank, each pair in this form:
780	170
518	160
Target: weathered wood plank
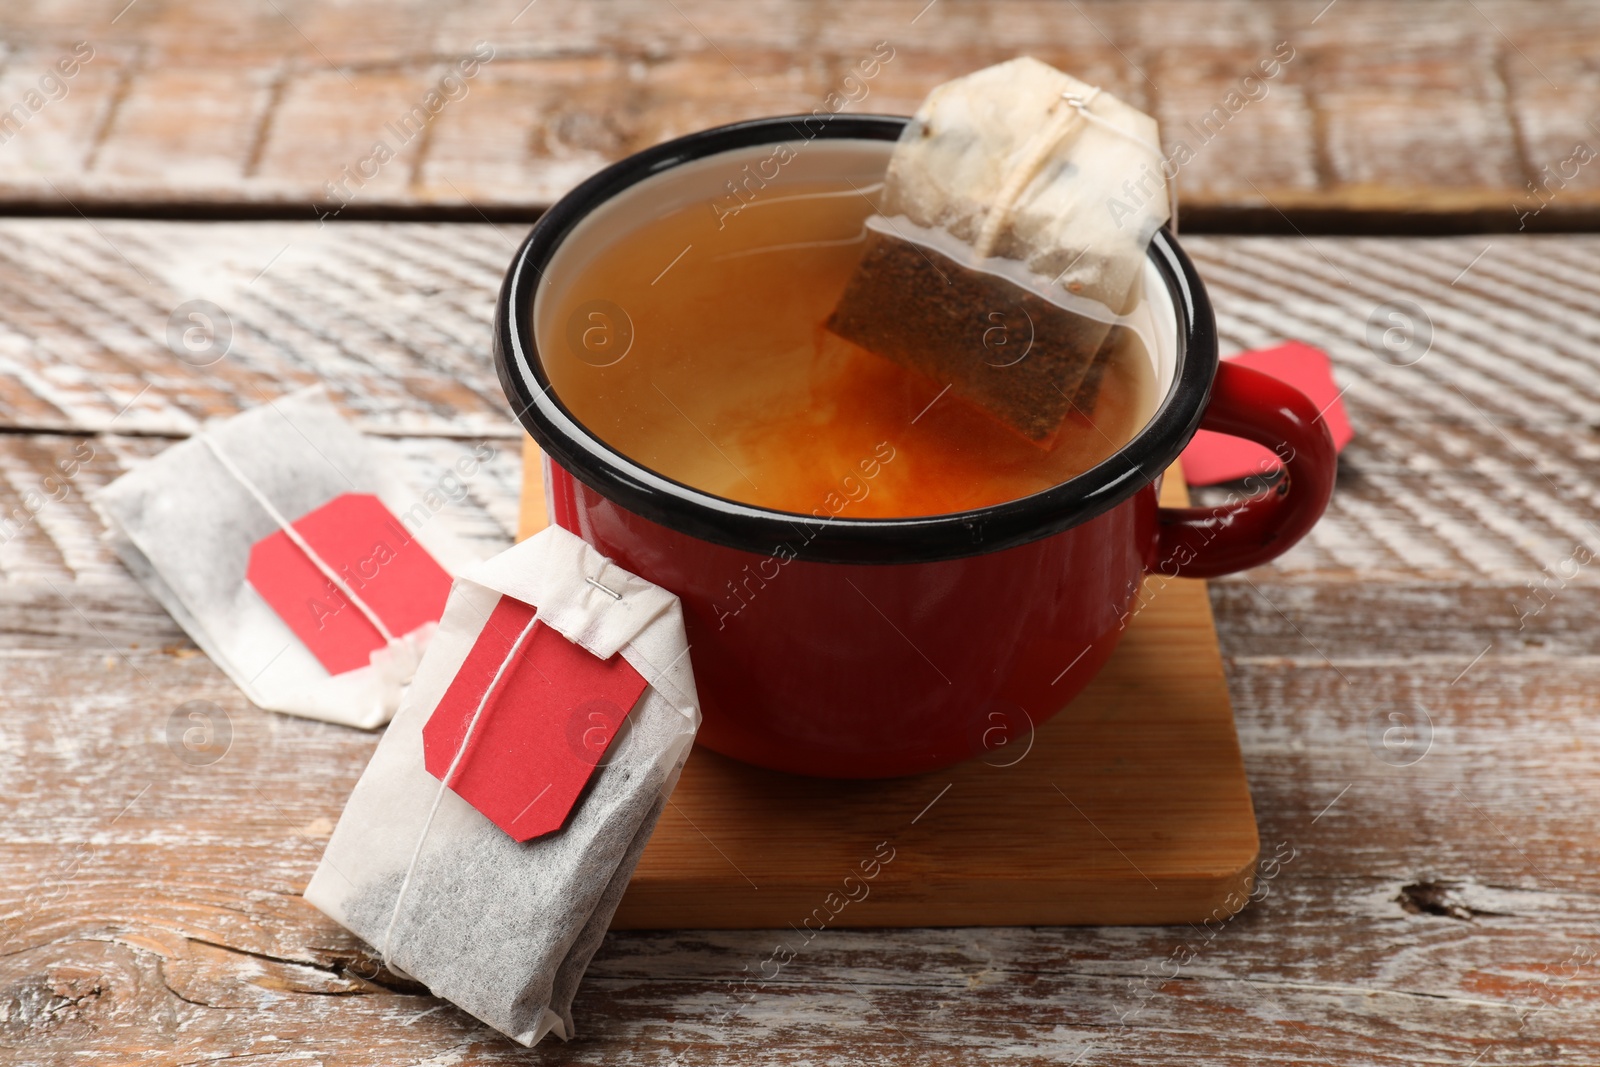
1430	106
1368	585
1476	459
399	329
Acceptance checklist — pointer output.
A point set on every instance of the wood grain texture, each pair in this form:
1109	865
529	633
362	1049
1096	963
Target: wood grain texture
400	330
1439	906
1446	107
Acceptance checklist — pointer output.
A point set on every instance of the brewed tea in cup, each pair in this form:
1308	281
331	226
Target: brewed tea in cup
697	344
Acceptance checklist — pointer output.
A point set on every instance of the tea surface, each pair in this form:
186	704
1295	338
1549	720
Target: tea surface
696	347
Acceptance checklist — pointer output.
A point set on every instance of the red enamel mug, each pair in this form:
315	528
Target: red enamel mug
870	648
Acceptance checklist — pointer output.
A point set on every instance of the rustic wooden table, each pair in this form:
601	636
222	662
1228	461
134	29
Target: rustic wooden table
1414	685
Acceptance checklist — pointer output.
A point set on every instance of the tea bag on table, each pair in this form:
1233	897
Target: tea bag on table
1016	213
489	841
290	552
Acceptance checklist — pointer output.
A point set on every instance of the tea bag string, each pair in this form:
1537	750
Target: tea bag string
296	539
444	782
1082	104
1040	147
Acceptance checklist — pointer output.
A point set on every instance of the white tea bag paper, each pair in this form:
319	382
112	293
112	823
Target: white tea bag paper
1020	162
194	526
503	927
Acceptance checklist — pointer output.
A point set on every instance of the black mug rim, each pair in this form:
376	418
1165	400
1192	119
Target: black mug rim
763	531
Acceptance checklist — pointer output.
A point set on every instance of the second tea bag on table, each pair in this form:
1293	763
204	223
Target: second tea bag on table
287	547
1016	213
488	843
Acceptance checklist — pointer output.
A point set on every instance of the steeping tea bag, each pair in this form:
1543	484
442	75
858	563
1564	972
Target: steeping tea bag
287	549
1016	213
489	841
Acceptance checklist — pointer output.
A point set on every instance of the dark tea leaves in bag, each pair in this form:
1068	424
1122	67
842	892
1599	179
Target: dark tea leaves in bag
1028	361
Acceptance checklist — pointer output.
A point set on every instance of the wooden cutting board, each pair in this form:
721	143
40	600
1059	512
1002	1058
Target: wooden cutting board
1130	806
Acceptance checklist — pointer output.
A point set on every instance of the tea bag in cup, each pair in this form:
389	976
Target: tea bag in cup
1008	252
288	549
488	843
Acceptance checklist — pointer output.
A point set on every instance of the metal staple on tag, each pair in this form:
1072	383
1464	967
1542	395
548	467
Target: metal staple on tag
612	593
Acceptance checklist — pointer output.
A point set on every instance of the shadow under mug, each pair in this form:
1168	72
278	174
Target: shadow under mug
865	648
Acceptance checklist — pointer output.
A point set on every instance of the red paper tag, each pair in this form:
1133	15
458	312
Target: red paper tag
545	728
374	555
1214	457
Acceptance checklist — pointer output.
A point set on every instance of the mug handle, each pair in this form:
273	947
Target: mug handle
1207	542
